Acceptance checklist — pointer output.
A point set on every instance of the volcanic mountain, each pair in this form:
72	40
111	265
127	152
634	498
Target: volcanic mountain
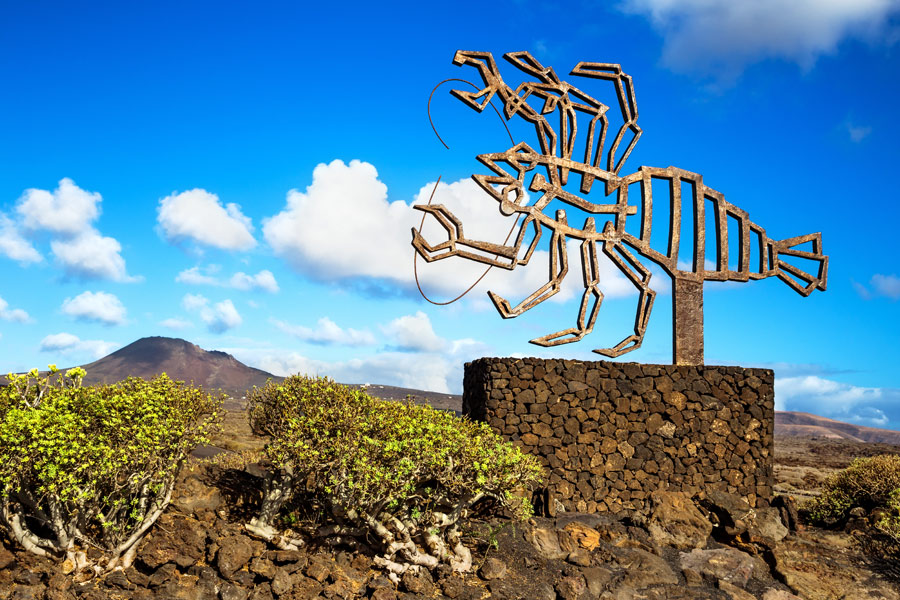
798	424
180	360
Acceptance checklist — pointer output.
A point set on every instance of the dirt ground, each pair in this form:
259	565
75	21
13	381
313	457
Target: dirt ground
803	464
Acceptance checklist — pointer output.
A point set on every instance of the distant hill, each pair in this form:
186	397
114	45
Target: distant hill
798	424
180	360
216	370
434	399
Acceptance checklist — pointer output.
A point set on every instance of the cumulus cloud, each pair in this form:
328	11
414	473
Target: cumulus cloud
67	213
264	280
331	229
327	332
414	333
218	318
887	286
199	216
71	345
95	306
374	237
176	324
67	210
721	37
59	341
221	317
870	406
12	314
91	256
13	245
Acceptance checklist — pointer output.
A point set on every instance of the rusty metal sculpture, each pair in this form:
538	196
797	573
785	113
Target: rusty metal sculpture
552	166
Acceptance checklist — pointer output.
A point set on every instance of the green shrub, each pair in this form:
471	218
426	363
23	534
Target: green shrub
869	483
93	465
394	472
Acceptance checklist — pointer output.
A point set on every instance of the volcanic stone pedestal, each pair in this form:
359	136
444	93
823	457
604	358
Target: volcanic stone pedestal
612	433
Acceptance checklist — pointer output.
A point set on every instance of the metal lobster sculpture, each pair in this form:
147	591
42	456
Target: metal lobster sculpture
550	170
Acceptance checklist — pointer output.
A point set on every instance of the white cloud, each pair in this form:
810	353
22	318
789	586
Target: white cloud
193	276
13	245
95	306
67	210
91	256
858	133
882	285
59	341
176	324
218	318
870	406
194	301
221	317
12	314
327	332
67	213
414	333
264	280
375	234
886	285
71	345
831	394
199	215
721	37
399	369
338	227
420	360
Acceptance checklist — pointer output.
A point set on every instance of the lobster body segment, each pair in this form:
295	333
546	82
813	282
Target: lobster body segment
546	173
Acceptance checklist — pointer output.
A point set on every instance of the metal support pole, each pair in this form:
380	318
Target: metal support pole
687	321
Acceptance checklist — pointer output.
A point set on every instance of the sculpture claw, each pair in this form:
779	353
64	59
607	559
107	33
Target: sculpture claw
630	343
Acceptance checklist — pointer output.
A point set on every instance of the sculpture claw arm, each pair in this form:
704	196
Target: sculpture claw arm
498	255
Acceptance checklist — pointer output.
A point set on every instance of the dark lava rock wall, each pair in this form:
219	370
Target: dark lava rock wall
612	433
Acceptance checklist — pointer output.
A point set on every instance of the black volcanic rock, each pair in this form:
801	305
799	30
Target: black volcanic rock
180	360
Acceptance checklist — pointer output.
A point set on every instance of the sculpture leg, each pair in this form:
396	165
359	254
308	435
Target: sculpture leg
639	275
559	267
592	298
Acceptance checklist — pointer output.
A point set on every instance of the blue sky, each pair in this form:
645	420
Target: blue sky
241	176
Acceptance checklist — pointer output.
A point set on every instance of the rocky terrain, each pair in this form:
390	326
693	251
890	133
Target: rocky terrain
713	546
710	546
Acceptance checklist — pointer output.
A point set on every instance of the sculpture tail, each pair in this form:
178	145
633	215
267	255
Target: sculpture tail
802	281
